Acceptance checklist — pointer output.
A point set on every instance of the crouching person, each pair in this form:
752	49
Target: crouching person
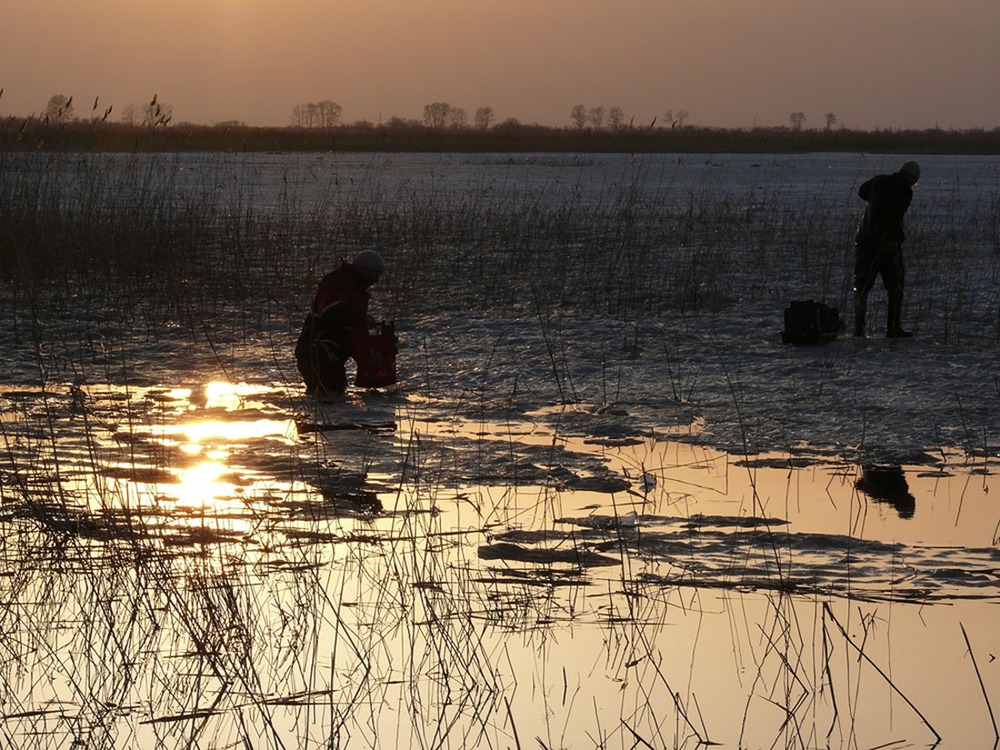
337	322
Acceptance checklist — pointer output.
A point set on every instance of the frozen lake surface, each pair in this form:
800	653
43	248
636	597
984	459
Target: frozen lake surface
604	507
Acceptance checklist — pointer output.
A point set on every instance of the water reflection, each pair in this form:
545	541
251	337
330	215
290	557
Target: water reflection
887	484
315	575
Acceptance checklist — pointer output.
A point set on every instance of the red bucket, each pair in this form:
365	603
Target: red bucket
376	358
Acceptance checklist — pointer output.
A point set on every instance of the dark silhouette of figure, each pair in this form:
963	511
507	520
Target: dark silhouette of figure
879	245
887	483
337	323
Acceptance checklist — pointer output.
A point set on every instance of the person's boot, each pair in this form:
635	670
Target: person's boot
860	310
893	328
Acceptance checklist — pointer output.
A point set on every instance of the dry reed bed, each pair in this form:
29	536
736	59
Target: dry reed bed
86	236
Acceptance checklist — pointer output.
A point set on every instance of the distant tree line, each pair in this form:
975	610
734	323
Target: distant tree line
444	116
324	114
36	134
798	119
327	114
445	127
613	118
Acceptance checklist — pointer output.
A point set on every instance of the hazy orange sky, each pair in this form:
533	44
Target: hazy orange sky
728	63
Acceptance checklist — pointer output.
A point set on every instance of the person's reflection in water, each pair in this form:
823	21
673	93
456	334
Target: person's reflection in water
887	484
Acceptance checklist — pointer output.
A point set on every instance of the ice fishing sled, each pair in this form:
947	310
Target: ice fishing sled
808	323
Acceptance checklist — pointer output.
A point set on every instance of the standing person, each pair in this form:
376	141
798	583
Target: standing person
337	322
879	245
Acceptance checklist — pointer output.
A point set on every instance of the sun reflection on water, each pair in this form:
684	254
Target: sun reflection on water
203	484
214	433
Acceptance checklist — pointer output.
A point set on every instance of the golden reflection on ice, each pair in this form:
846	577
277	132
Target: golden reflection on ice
219	394
218	421
215	431
201	485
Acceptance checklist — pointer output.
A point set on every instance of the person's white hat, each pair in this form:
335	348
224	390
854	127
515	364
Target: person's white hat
369	261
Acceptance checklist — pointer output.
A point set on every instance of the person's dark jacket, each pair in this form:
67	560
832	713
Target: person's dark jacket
339	312
888	196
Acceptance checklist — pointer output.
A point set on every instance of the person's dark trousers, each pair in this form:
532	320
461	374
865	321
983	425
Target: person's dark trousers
321	366
885	260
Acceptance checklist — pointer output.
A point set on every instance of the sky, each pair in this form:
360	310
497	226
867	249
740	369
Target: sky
726	63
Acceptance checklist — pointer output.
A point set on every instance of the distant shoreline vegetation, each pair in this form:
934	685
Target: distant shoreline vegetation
34	134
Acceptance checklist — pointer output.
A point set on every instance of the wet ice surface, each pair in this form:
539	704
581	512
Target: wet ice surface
861	399
497	404
729	377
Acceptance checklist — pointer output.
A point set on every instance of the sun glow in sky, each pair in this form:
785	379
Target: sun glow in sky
727	63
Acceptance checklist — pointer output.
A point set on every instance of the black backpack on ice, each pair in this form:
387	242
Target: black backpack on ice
808	322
